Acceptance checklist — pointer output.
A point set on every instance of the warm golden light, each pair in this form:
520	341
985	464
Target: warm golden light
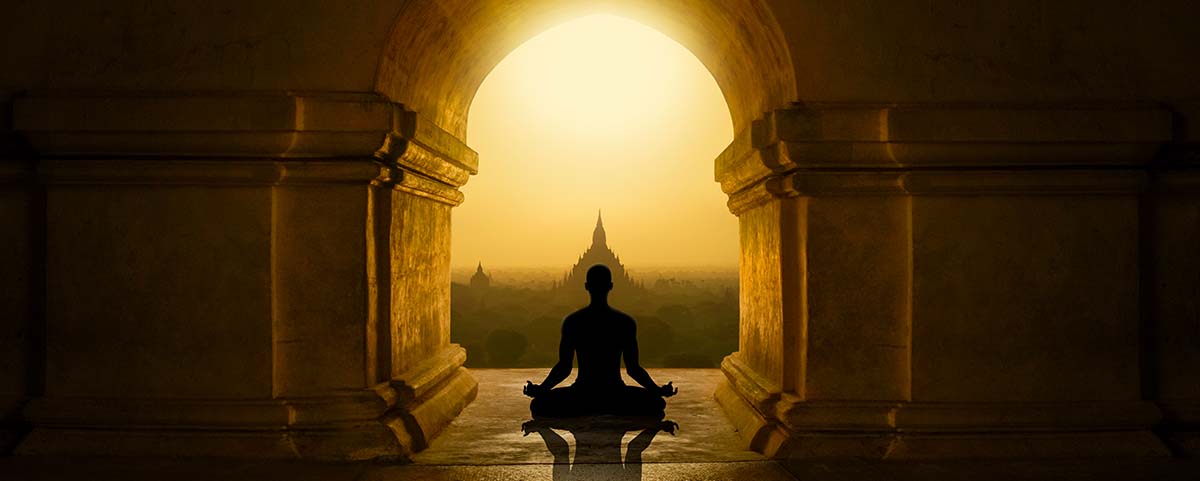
597	113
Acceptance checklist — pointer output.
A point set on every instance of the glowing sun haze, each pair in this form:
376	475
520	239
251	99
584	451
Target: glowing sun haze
597	113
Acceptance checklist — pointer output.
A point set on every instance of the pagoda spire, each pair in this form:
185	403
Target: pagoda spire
480	280
599	240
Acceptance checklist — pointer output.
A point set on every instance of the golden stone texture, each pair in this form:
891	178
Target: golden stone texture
943	301
265	295
968	230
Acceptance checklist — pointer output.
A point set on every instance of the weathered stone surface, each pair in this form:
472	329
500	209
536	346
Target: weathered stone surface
143	281
956	217
857	264
1025	299
318	336
268	337
845	144
21	331
761	335
1006	283
1171	305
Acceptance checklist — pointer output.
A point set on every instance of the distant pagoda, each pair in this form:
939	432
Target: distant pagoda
598	253
480	280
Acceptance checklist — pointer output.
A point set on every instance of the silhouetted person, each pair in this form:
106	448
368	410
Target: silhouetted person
598	446
600	336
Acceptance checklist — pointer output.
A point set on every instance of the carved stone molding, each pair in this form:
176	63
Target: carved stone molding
791	427
392	420
15	172
953	182
760	392
830	149
230	125
748	401
418	144
251	124
257	138
1183	426
210	172
914	417
1176	181
425	187
1025	182
429	396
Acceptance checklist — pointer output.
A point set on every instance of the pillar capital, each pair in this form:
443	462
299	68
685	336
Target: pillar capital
250	138
834	143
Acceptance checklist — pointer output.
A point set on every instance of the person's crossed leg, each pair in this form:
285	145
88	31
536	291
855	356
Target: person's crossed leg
572	401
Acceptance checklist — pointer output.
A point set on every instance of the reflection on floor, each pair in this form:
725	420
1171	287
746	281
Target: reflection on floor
489	430
487	443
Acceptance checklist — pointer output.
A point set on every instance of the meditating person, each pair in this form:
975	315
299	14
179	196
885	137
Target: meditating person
600	336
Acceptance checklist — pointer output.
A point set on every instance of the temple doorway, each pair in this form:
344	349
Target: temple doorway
596	141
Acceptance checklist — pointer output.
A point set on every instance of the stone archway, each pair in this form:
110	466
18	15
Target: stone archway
336	324
246	223
843	209
438	55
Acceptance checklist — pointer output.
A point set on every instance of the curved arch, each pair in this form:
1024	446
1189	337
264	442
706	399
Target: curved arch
438	53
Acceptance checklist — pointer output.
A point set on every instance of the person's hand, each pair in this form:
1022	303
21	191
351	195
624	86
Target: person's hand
532	390
666	390
534	426
669	426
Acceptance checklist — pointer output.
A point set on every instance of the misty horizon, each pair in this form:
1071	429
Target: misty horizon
539	277
664	266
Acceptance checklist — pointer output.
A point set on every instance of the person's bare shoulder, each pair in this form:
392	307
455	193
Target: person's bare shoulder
574	317
623	318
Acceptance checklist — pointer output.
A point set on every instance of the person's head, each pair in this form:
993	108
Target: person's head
599	280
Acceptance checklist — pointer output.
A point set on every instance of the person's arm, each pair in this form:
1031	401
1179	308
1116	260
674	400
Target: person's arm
633	454
558	447
560	371
634	368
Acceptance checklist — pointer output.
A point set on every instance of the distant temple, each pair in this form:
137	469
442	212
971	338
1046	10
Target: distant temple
598	253
480	280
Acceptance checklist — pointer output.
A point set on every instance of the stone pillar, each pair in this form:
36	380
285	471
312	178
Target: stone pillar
231	275
1171	285
20	315
942	281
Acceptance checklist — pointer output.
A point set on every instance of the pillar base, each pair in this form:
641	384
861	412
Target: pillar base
987	445
386	422
1184	443
1181	427
9	437
744	400
781	426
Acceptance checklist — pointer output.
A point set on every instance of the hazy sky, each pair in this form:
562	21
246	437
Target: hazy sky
597	113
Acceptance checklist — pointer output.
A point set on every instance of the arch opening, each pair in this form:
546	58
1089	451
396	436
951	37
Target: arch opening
597	113
438	53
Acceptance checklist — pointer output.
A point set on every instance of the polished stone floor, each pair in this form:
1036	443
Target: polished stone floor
489	430
487	443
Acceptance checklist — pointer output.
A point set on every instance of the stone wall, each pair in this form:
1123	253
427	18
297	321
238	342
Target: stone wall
223	276
969	280
967	229
21	331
